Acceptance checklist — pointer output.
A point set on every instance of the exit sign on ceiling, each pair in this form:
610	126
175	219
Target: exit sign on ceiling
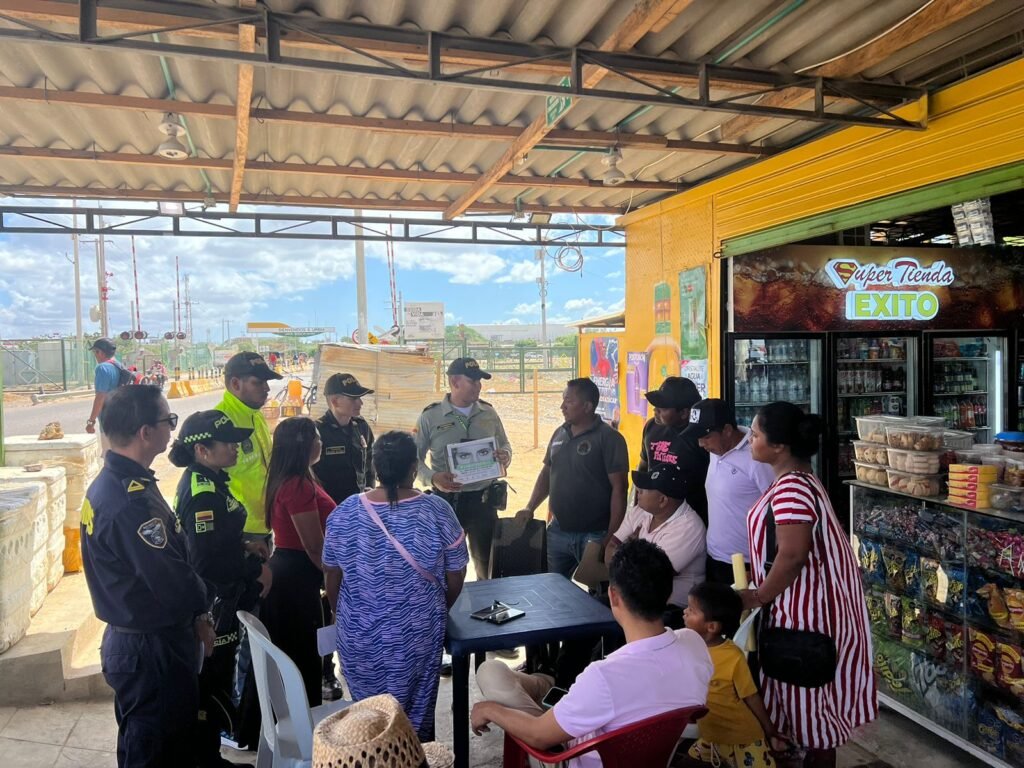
558	105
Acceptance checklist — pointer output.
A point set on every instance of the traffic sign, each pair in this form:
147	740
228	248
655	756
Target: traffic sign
558	105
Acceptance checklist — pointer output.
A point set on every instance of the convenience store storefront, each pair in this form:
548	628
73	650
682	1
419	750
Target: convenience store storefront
681	317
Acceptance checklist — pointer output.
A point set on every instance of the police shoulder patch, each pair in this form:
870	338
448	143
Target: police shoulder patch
135	486
154	533
202	484
432	405
204	521
87	516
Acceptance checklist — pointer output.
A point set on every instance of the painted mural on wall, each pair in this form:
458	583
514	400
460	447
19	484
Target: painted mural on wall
636	383
815	288
604	371
693	341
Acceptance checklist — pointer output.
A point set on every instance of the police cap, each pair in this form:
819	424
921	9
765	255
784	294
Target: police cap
467	366
211	425
345	384
249	364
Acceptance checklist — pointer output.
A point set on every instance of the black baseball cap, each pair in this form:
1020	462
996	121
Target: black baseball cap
211	425
249	364
467	366
345	384
674	392
104	345
709	416
665	478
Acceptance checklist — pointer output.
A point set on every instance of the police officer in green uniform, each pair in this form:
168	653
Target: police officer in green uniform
212	521
463	416
344	468
144	587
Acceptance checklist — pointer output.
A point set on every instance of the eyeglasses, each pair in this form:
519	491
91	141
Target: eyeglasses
171	419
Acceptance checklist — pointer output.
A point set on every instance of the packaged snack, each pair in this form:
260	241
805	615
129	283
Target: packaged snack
892	665
935	638
930	578
1005	496
912	575
988	730
894	559
1013	473
966	471
1013	734
872	428
869	473
919	462
1015	606
956	486
982	656
954	643
939	689
995	604
913	627
869	555
870	453
1009	668
915	485
914	437
893	612
876	612
954	587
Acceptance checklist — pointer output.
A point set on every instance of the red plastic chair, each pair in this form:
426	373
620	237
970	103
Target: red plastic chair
650	742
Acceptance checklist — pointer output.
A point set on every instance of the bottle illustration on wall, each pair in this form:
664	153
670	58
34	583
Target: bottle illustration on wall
663	353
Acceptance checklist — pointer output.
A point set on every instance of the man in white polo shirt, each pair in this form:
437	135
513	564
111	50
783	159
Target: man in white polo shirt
657	670
734	483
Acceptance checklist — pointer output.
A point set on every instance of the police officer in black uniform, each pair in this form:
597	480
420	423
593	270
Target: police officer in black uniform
212	521
344	468
144	587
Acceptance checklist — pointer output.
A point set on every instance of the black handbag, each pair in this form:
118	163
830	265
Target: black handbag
795	656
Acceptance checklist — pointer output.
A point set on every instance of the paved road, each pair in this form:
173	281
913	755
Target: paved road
72	414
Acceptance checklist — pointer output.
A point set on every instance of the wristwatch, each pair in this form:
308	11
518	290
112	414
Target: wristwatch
90	422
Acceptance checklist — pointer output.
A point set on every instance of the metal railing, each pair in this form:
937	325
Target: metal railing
512	366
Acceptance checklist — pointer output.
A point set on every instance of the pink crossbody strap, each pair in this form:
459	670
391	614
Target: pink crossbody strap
395	542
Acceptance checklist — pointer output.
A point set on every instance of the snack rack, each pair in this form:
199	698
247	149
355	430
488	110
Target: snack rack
944	587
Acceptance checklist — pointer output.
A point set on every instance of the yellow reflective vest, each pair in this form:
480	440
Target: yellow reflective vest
248	478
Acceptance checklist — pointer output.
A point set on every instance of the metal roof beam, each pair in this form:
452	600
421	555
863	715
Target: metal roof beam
309	201
119	16
637	23
571	139
340	171
932	18
35	219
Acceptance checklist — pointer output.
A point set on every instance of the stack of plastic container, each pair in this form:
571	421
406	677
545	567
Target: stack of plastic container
915	455
871	451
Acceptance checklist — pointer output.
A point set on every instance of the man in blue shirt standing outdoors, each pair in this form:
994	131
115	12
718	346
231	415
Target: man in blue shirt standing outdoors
106	379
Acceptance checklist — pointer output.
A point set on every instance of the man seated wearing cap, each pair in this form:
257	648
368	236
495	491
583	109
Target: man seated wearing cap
460	417
735	482
663	517
663	441
657	670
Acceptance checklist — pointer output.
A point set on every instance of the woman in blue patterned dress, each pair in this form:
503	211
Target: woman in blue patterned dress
399	559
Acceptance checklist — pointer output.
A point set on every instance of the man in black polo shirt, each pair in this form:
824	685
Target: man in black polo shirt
583	478
663	441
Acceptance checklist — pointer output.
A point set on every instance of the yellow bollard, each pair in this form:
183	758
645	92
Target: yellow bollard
536	411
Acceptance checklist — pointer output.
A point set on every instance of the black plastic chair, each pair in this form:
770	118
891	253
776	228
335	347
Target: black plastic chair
517	551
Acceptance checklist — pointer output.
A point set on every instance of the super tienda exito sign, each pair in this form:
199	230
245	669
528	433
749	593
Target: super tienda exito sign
896	290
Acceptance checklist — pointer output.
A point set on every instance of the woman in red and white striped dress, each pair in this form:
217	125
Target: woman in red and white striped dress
813	585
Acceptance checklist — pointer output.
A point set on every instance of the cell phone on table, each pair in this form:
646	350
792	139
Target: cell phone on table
552	697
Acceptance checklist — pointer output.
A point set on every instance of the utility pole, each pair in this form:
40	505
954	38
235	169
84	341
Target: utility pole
101	278
137	319
542	283
364	336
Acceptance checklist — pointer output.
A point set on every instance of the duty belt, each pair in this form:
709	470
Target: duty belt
154	631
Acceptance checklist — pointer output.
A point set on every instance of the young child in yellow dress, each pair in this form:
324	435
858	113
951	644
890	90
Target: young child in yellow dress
736	731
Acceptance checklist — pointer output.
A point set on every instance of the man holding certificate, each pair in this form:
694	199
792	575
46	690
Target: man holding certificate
463	450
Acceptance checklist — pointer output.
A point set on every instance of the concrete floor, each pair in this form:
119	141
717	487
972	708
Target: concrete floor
83	734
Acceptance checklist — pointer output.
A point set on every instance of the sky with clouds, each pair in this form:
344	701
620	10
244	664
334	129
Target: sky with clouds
301	283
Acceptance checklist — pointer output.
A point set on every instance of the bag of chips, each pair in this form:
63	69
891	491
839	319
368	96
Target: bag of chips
995	604
982	656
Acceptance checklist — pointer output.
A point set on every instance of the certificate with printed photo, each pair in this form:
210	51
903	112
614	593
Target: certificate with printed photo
474	460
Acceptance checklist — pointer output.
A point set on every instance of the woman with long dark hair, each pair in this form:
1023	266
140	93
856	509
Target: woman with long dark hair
297	510
806	580
399	558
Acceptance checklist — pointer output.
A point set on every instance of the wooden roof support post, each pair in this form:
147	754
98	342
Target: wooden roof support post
243	103
933	18
644	15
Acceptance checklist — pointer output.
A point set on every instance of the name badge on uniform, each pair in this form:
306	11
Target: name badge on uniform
335	450
153	533
443	427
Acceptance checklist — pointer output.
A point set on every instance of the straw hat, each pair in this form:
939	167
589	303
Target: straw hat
374	731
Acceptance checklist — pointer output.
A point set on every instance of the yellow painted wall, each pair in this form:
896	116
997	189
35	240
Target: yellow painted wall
972	126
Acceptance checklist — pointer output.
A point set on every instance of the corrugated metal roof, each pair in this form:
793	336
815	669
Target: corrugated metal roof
783	35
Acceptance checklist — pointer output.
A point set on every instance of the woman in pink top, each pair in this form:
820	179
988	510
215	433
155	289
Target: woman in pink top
297	510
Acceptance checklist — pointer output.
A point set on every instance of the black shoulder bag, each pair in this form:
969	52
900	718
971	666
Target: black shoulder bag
795	656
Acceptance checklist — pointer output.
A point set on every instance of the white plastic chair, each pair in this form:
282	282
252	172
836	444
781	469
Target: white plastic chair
286	735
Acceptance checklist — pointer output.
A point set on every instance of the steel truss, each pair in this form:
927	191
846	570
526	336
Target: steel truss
34	219
347	37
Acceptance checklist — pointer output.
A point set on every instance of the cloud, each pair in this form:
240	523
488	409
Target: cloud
526	309
616	273
577	304
463	267
521	272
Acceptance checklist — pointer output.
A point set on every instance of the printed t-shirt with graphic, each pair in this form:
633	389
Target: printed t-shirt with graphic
642	679
682	539
580	492
734	483
295	496
667	445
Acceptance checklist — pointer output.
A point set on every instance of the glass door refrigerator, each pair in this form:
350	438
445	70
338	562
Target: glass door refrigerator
770	367
970	382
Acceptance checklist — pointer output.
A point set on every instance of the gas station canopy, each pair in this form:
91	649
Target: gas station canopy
505	107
